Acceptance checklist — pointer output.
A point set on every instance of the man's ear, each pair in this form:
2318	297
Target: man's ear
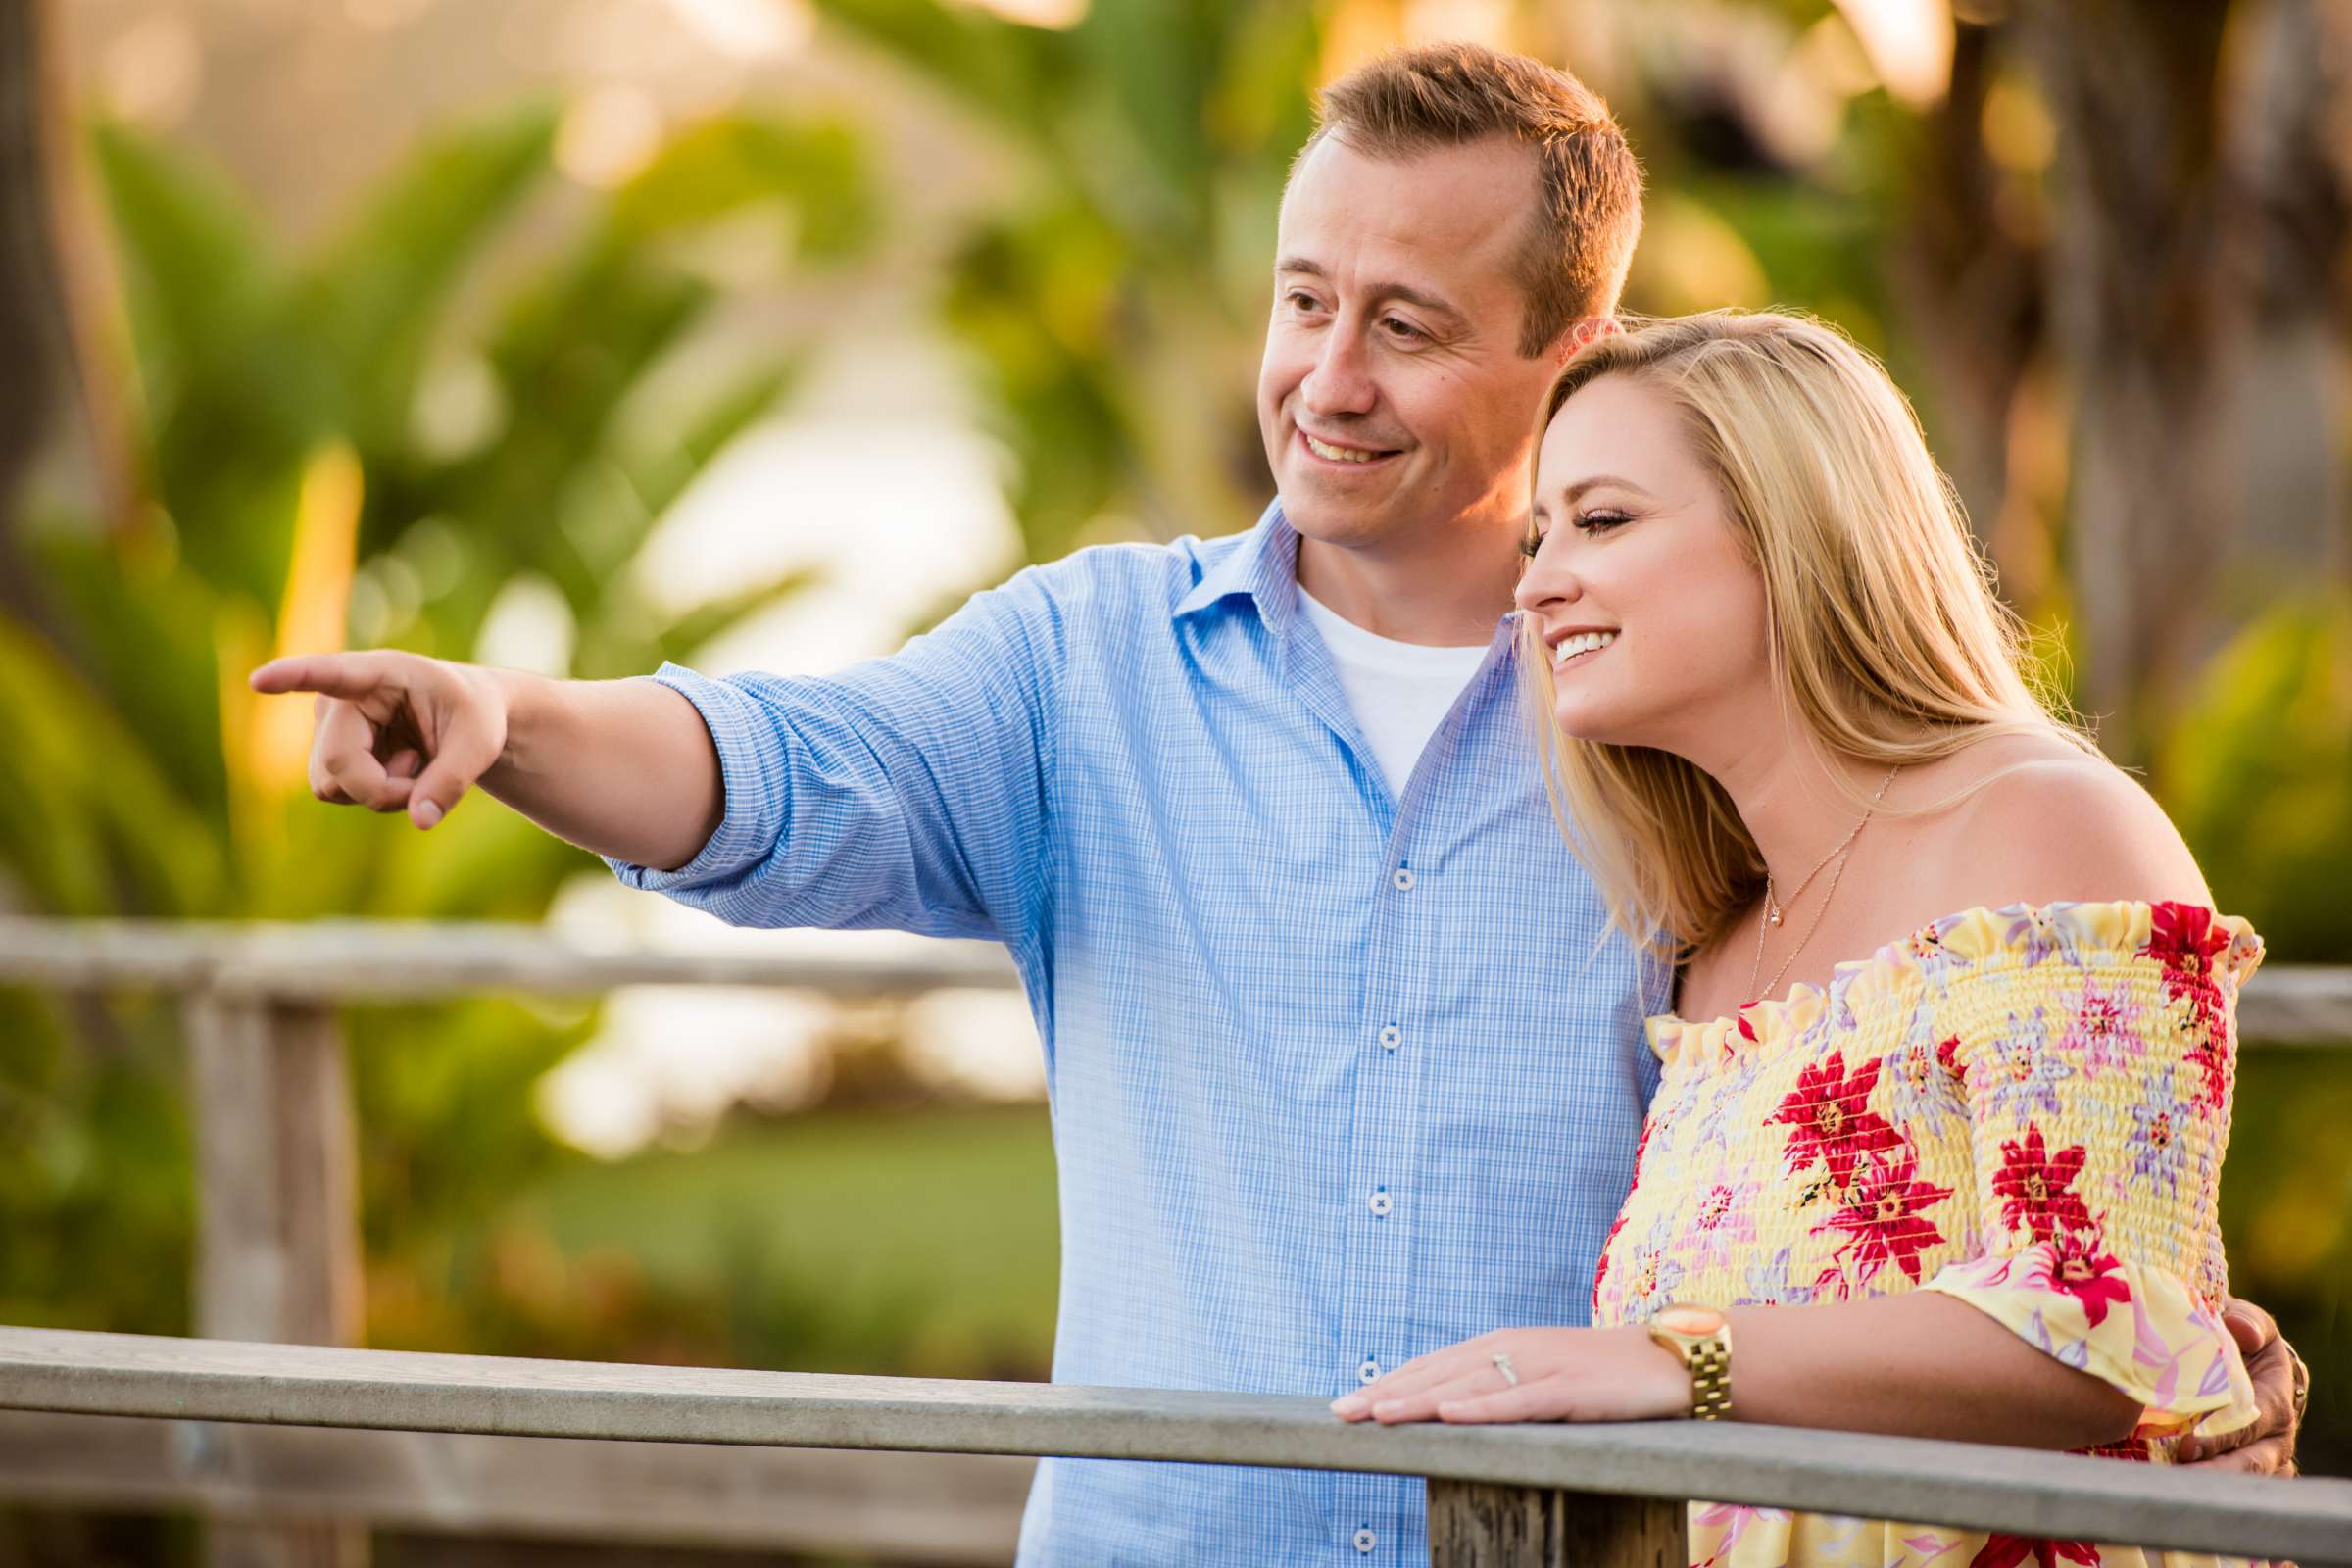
1582	335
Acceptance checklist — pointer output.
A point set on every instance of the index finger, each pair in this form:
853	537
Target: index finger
344	675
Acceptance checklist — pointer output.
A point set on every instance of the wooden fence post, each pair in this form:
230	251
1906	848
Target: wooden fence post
1478	1525
277	1249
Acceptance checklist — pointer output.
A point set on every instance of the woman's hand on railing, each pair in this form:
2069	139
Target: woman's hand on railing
1921	1365
1530	1375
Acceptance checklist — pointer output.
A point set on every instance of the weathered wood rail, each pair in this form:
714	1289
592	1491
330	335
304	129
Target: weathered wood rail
603	1453
1588	1472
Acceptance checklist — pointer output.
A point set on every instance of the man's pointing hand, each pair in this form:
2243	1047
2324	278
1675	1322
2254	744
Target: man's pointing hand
396	731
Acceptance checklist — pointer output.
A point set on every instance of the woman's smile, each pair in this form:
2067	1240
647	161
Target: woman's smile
1579	646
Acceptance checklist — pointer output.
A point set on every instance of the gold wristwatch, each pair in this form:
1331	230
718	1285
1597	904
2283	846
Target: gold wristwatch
1700	1338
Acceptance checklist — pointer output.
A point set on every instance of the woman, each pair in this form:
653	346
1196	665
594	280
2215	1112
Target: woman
1947	1087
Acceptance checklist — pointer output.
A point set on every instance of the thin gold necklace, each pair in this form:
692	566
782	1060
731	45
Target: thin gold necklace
1773	908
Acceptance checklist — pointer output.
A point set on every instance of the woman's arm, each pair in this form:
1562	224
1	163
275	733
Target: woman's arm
1921	1365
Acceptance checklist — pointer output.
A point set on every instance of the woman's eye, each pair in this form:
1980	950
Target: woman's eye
1601	521
1530	545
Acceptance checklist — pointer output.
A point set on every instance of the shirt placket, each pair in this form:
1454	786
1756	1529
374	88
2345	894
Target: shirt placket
1383	1173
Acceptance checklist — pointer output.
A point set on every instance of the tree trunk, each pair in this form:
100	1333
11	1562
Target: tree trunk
2139	323
51	273
28	297
2197	299
1968	271
2292	147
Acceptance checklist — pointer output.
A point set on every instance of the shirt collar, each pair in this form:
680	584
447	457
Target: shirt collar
1263	568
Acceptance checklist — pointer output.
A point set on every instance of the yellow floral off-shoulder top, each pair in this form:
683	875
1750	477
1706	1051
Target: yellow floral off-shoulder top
2022	1108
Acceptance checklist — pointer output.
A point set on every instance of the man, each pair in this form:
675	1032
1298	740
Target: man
1343	1068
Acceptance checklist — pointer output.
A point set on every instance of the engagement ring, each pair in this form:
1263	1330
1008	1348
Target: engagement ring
1502	1364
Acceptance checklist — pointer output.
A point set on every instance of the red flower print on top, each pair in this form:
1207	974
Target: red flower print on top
1948	1053
1832	1119
2181	937
1650	1124
1600	1270
2036	1187
2075	1265
2184	940
1882	1219
2091	1277
2210	1056
2007	1552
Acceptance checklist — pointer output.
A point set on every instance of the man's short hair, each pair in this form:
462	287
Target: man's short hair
1581	239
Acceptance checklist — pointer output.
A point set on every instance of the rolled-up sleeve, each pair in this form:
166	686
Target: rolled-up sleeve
909	792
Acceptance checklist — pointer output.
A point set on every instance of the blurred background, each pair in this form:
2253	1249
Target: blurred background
580	334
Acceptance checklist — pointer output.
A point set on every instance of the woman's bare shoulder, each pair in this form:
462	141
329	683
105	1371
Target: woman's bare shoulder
2047	821
2042	821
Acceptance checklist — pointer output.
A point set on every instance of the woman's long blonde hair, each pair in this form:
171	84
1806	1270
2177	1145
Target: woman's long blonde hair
1884	629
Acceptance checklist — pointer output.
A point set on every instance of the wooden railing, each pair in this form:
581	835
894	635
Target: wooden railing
473	1445
1502	1496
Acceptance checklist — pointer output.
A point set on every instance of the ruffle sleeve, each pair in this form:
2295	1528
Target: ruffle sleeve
2097	1046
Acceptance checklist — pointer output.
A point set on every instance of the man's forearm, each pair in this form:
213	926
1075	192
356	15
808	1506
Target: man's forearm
625	768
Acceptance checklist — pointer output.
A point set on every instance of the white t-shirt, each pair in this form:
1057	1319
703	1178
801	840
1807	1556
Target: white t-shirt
1400	692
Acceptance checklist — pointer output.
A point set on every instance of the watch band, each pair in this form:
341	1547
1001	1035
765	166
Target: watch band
1710	1362
1701	1340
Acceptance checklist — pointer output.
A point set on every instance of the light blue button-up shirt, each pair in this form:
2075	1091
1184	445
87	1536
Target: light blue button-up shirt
1337	1078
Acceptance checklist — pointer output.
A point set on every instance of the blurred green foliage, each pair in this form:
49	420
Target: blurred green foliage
296	466
913	1240
2286	1194
1114	307
2258	774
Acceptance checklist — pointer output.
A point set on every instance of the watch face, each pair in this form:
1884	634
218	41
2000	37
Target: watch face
1689	1320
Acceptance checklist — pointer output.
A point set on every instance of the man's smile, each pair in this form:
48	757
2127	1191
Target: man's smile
1344	454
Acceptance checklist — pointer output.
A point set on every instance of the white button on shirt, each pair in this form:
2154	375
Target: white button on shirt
1381	1204
1392	1037
1368	1371
1365	1541
1404	879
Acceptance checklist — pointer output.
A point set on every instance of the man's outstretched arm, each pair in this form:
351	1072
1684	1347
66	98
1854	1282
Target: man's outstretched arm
624	768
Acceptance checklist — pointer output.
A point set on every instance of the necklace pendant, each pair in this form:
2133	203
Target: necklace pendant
1772	917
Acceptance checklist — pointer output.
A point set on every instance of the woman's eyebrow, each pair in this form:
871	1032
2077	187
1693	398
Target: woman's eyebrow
1598	481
